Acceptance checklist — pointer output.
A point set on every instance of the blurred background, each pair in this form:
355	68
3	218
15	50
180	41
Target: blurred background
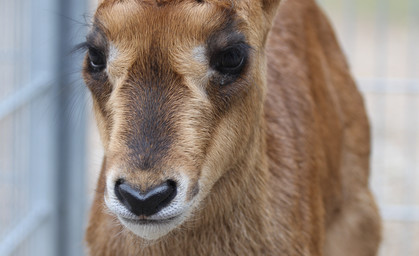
50	153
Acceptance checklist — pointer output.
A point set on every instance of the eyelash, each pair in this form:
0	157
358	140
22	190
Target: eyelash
82	47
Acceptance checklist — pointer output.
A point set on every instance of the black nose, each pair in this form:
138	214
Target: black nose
148	203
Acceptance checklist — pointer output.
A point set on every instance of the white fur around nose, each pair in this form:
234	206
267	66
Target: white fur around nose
179	209
199	54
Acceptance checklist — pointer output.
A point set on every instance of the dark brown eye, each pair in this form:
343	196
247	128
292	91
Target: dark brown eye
231	60
97	59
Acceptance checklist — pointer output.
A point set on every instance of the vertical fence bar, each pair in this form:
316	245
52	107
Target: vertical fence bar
71	136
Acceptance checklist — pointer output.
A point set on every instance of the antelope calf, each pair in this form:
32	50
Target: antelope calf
230	127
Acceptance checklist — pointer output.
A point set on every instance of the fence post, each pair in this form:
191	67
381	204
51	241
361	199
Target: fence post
71	134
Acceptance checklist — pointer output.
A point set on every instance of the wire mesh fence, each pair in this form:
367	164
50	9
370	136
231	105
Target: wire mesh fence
26	215
31	173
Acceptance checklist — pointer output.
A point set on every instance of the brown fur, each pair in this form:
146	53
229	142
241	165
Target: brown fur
285	147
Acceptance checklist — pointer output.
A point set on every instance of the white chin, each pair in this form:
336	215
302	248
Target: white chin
151	231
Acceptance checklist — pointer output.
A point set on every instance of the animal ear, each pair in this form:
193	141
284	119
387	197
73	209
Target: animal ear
270	7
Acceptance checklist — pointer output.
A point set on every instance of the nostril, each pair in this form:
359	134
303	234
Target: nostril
125	194
148	203
119	182
168	192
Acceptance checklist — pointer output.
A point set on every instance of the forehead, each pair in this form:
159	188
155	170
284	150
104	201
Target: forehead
146	22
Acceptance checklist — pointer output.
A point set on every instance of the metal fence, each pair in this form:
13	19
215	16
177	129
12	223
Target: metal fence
41	207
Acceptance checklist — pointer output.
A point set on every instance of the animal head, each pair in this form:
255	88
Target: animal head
178	90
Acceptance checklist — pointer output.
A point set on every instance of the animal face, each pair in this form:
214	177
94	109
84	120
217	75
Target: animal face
178	91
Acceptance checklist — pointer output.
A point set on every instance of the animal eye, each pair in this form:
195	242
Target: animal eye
97	59
231	60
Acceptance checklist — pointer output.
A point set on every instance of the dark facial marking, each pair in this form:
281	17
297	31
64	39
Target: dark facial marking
150	103
228	53
97	50
96	80
193	191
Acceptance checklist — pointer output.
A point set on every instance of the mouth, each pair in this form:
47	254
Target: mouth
150	228
144	221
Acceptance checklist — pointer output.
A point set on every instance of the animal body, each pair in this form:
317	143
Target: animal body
230	127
